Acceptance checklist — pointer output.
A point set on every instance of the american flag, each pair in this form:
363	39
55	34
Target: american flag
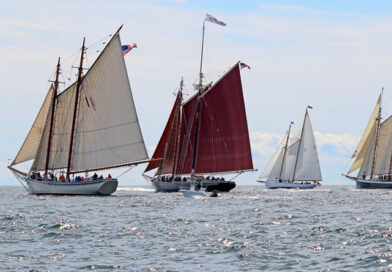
310	107
244	65
128	47
212	19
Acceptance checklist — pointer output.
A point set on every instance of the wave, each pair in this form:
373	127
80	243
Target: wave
136	189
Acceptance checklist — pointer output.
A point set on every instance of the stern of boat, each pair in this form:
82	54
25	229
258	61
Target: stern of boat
108	187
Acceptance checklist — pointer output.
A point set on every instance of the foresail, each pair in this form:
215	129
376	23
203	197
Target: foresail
168	135
107	130
308	166
29	149
368	153
368	129
291	155
271	172
384	148
366	146
61	133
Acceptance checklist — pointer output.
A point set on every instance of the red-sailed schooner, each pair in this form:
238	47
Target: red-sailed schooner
204	136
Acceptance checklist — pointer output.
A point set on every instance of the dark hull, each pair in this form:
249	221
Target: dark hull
373	184
222	186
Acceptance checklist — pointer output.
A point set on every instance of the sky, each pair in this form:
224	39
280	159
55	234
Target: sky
333	55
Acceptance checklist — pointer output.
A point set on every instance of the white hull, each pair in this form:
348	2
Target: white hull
288	185
91	187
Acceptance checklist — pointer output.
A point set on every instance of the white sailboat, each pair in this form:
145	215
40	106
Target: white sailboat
295	163
373	156
91	126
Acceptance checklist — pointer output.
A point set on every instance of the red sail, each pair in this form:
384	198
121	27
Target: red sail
159	152
184	164
223	144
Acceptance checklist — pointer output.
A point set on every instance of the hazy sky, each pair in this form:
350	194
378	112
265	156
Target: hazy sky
333	55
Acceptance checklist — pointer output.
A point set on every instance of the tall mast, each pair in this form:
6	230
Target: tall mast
377	132
299	144
56	85
177	142
285	152
195	140
80	72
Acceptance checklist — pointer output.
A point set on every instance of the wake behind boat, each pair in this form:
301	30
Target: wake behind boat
205	136
373	156
295	164
91	126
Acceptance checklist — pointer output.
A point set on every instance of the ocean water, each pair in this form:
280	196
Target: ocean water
332	228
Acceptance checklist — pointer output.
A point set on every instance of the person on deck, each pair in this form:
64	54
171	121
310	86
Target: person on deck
95	176
62	177
109	176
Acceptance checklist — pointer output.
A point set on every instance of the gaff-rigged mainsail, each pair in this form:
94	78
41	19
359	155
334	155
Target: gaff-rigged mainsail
223	141
107	131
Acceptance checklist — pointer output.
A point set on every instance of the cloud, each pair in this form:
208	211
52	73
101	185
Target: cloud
340	145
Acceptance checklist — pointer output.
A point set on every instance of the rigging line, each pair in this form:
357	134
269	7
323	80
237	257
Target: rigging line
126	171
236	175
99	41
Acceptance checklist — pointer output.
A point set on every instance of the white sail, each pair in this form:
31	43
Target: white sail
29	149
61	133
308	166
271	172
107	128
366	133
367	154
384	148
288	168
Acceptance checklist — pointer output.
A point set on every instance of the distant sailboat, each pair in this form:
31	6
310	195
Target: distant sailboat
295	163
91	126
373	156
206	135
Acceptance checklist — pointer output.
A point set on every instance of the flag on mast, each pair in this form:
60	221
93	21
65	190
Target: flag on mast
128	47
212	19
310	107
244	65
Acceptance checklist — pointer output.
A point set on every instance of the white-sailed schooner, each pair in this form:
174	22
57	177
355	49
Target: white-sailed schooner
373	156
91	126
295	163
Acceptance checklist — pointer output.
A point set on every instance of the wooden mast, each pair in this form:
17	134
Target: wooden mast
377	132
56	85
80	72
195	140
178	134
299	144
285	152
